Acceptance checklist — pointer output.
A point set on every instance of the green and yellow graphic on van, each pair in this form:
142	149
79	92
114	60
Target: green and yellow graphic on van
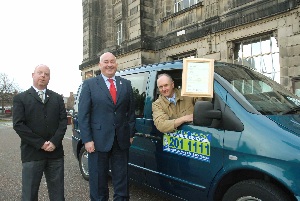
189	144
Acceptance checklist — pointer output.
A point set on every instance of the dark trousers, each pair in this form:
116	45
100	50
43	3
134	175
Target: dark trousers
32	174
98	174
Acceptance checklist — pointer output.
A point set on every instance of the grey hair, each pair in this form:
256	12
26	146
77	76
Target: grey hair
165	74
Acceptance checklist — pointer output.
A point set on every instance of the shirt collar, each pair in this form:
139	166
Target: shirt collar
37	90
106	78
173	98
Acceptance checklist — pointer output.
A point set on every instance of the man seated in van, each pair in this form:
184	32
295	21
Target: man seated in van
171	109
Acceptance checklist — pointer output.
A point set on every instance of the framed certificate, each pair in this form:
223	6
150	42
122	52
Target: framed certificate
197	77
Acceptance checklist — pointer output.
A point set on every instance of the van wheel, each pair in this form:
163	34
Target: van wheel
83	163
254	190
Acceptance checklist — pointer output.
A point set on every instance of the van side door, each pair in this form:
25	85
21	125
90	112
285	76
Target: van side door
136	163
190	157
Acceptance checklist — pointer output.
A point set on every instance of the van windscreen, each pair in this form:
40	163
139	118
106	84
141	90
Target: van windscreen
264	94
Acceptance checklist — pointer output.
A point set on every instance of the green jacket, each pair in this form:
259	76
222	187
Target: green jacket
165	113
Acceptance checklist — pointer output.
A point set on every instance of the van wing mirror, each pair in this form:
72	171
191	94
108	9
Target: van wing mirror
204	113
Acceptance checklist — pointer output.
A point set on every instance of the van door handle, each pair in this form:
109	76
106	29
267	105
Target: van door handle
139	134
152	137
148	136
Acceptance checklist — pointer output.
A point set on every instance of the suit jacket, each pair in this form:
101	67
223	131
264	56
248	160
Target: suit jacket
36	122
99	119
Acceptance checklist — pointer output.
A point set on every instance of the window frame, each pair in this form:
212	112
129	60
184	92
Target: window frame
245	52
183	4
119	33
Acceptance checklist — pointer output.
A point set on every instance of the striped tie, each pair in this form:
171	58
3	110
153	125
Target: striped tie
41	95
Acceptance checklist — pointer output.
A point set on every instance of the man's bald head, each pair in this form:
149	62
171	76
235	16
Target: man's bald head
41	76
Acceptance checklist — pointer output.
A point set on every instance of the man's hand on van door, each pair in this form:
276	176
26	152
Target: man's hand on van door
89	146
131	140
183	119
188	118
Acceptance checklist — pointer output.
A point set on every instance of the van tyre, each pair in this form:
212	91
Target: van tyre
83	163
255	190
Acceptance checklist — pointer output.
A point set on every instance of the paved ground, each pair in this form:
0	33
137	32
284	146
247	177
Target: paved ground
76	188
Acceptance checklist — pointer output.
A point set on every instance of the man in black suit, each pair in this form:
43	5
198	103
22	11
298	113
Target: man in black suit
40	119
106	122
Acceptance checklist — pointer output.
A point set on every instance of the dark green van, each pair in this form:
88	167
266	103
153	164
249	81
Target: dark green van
243	145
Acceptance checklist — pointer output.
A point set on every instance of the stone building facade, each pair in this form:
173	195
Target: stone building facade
263	34
70	101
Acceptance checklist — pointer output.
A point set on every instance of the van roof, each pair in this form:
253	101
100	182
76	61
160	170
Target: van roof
176	64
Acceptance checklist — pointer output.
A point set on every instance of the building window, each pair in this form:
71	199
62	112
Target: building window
88	74
182	4
119	33
296	85
190	54
260	53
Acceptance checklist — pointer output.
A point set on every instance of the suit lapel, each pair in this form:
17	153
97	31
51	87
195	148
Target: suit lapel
47	96
119	87
102	85
33	93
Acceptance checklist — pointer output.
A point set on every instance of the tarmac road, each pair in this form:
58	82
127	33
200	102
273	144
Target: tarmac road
76	188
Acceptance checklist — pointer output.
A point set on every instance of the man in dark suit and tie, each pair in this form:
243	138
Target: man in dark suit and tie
106	120
40	119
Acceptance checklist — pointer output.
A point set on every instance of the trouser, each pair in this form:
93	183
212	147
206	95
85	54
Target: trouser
32	173
98	174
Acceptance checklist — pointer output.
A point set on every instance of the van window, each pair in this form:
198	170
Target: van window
139	83
77	99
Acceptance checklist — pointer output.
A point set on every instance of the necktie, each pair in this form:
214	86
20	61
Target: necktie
112	90
41	95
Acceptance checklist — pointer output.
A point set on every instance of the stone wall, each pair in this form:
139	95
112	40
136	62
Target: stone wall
153	32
